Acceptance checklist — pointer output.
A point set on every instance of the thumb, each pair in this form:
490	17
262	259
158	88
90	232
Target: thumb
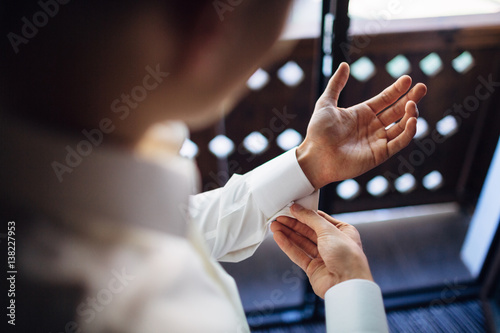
337	83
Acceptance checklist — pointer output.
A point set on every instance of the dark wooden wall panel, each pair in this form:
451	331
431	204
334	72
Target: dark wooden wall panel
270	111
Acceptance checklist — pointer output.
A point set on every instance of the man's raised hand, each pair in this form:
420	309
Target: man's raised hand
342	143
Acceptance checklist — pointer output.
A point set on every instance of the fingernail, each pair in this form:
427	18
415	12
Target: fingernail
297	208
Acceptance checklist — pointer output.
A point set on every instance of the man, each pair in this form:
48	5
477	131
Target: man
112	238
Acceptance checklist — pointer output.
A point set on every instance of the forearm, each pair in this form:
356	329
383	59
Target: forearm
234	219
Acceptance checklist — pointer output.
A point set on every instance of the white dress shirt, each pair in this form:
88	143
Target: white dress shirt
129	228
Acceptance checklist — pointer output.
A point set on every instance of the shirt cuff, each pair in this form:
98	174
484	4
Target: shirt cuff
278	182
355	306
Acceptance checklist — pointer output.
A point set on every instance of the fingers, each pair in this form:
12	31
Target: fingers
304	230
337	83
390	94
345	228
303	243
403	139
332	220
397	111
415	94
324	225
294	253
398	128
317	223
298	227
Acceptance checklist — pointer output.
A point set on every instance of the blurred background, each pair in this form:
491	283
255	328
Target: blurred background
429	216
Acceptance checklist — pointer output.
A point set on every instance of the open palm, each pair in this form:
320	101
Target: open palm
343	143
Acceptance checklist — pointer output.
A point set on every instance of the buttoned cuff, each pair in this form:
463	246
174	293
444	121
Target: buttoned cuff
279	182
355	306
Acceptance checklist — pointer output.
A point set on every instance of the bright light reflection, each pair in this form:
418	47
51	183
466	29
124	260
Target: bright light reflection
431	65
406	183
463	63
258	80
433	181
398	66
291	74
189	149
255	143
363	69
407	9
422	128
378	186
447	126
221	146
289	139
348	189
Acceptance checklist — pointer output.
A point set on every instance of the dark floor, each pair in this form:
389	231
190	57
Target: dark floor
268	279
417	252
463	317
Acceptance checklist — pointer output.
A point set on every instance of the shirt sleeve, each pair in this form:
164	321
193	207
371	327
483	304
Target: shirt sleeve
234	219
355	306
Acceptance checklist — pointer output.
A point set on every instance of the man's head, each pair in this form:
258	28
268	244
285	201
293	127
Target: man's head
67	63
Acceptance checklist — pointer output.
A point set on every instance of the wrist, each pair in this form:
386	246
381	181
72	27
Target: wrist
359	270
358	276
307	164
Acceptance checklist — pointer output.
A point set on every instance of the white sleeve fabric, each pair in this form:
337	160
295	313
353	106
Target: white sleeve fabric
234	219
355	306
